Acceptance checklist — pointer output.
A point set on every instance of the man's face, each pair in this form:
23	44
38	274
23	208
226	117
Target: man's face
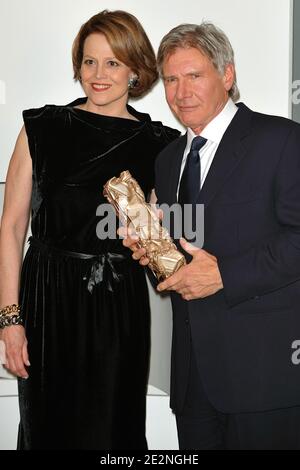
195	91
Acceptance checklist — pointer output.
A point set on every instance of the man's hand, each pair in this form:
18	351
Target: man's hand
130	241
198	279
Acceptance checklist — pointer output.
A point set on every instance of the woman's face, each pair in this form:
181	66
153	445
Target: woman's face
104	78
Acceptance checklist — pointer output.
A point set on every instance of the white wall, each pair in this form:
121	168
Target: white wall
35	68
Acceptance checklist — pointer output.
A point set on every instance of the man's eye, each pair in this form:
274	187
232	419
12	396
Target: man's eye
170	80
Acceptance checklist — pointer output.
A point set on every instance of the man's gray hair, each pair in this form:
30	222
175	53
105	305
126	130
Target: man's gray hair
208	39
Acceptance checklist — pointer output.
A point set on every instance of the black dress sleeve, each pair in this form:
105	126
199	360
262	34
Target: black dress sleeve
34	124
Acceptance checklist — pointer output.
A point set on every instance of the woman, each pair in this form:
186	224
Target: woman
83	302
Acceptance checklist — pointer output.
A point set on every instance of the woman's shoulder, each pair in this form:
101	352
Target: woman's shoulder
45	117
165	132
159	130
46	111
37	121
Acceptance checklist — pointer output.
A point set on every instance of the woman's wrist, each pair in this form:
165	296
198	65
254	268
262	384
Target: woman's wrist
10	315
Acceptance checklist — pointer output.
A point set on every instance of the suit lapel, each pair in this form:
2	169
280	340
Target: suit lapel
175	168
231	150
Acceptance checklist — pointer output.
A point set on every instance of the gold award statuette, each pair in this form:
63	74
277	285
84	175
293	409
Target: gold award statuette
128	199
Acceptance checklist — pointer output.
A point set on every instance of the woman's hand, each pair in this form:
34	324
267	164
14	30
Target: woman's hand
16	350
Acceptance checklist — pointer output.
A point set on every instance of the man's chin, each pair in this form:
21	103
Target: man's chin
187	119
188	123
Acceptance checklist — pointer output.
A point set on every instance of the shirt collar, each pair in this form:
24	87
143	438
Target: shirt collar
216	128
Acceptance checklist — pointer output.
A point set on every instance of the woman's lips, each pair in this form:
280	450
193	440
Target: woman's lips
100	87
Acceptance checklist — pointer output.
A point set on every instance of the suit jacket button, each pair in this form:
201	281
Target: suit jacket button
187	321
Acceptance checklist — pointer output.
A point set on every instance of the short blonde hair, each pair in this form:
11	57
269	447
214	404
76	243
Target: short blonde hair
129	43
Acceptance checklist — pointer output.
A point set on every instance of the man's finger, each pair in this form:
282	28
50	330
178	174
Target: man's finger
144	261
171	282
130	243
139	253
160	214
126	232
188	247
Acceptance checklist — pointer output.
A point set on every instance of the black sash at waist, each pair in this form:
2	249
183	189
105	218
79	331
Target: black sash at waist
102	269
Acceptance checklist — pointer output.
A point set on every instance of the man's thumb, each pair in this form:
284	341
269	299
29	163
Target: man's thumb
188	247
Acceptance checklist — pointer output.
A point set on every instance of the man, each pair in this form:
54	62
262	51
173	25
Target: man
236	304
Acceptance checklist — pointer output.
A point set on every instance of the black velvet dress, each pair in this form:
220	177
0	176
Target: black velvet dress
84	300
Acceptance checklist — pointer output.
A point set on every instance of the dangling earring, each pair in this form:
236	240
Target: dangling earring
132	82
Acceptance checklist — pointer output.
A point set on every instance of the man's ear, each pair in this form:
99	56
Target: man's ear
229	76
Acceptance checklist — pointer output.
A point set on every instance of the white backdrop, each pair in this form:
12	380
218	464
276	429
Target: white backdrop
35	68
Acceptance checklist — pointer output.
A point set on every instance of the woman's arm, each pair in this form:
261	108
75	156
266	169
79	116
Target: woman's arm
14	224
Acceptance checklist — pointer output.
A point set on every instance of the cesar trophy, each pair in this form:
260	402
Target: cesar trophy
128	199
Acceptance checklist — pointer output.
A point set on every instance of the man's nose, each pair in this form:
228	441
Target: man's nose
183	90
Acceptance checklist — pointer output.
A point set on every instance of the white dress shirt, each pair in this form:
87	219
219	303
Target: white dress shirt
213	132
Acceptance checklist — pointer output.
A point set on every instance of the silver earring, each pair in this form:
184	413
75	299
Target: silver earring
132	82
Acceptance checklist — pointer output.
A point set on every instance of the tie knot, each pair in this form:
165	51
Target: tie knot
198	142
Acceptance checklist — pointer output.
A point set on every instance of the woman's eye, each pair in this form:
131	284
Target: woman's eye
89	62
113	63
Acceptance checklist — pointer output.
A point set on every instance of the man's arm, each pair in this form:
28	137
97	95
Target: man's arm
275	262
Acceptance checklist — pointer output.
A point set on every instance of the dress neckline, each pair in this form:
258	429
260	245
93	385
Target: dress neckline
91	117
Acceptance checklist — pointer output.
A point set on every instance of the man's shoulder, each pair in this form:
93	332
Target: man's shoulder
276	121
271	122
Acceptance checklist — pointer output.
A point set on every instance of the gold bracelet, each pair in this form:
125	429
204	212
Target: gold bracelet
10	309
10	315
